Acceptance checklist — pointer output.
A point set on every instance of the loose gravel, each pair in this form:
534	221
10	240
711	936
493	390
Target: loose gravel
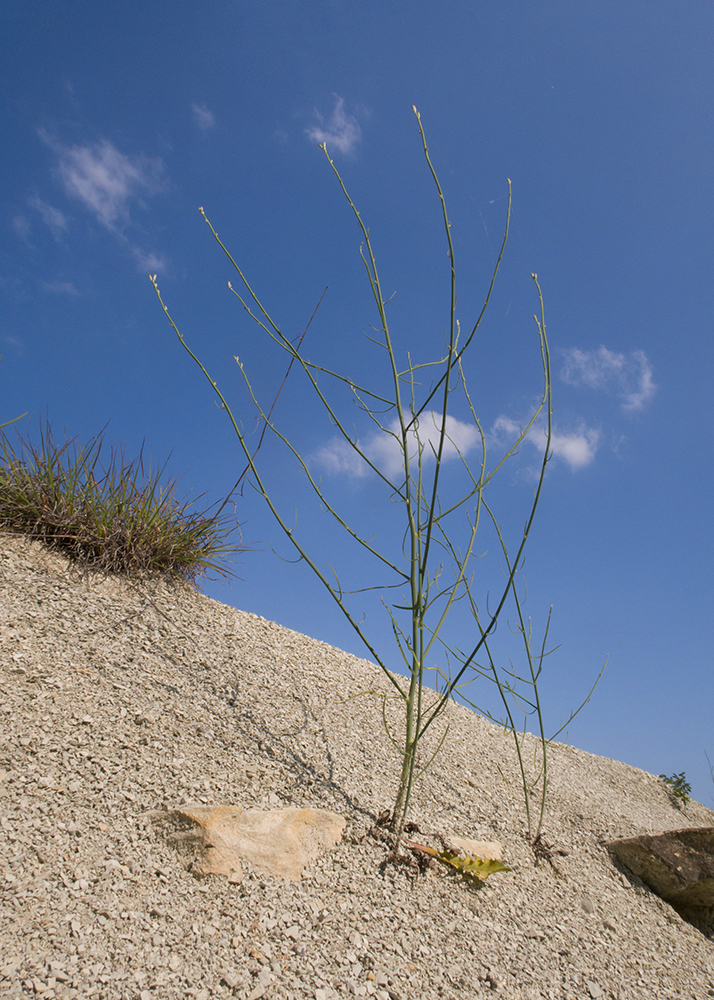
119	698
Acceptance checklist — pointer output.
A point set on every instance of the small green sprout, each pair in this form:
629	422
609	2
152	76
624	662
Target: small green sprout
679	787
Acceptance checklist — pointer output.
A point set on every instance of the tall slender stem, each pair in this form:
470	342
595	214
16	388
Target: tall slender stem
421	486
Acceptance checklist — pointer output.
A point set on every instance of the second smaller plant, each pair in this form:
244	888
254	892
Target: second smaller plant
678	786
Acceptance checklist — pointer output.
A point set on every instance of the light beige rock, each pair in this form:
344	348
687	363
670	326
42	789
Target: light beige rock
490	850
214	840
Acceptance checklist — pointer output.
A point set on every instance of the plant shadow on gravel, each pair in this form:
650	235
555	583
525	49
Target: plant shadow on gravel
308	776
114	516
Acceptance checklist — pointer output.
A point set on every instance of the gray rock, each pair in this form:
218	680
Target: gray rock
678	865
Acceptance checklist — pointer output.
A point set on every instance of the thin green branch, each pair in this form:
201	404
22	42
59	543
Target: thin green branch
426	598
264	493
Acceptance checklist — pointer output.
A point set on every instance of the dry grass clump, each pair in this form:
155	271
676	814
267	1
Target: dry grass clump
114	516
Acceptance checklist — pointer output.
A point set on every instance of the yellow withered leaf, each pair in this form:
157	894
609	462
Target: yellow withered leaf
469	865
472	864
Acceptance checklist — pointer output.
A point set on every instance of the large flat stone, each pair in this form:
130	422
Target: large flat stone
215	840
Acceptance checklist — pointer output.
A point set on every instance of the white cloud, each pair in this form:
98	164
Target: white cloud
55	220
341	131
577	448
105	180
149	262
385	451
60	288
203	116
21	225
628	375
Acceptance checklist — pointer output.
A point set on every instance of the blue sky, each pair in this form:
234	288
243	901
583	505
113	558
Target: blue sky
119	121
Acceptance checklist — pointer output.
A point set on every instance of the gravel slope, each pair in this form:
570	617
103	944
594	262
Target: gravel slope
117	701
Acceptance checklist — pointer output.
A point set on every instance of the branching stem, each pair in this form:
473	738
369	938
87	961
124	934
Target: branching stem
420	424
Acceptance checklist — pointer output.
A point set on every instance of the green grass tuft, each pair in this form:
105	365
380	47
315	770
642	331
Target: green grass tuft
113	517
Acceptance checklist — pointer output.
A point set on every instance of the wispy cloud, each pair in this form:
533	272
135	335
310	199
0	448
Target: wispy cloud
340	131
384	450
577	447
108	183
627	375
60	288
105	180
21	225
149	262
202	115
55	220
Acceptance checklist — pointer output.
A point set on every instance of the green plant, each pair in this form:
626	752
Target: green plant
415	416
679	787
519	693
115	517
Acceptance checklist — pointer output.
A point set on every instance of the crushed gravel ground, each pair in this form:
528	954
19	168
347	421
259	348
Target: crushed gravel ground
117	699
